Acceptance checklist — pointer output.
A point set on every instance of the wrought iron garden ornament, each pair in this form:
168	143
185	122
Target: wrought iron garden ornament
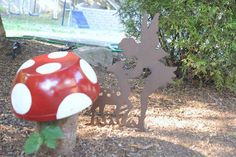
147	56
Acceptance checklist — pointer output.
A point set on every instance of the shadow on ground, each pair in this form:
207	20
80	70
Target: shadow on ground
132	146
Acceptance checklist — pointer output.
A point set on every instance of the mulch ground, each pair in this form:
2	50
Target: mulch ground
181	120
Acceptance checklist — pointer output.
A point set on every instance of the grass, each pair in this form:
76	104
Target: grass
43	23
44	26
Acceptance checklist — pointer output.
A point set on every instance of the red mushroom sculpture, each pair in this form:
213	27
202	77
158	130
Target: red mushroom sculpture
53	86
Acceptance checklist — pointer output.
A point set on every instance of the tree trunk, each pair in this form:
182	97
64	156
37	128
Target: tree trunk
2	34
67	144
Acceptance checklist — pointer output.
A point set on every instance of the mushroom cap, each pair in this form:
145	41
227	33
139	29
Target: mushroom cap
53	86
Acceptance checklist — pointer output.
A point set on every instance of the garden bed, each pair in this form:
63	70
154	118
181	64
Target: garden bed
181	120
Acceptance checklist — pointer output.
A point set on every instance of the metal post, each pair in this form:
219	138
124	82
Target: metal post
35	3
63	14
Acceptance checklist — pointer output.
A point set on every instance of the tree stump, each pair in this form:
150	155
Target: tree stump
2	34
67	143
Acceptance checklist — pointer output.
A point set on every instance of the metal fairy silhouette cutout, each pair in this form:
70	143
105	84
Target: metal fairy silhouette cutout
148	56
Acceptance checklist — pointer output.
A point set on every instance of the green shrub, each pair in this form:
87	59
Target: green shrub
200	36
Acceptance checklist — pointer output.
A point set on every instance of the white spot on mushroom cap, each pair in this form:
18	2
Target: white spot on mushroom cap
73	104
21	98
88	71
55	55
26	64
48	68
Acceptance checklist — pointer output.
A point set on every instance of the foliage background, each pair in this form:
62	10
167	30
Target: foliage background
200	36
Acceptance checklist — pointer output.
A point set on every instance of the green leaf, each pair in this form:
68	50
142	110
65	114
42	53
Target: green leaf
52	132
51	143
33	143
234	46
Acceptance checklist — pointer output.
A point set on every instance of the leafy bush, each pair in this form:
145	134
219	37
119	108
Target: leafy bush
200	36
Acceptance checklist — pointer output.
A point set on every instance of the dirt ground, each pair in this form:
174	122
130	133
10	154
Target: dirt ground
181	121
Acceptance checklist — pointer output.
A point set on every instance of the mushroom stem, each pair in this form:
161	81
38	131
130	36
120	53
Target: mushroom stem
67	143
